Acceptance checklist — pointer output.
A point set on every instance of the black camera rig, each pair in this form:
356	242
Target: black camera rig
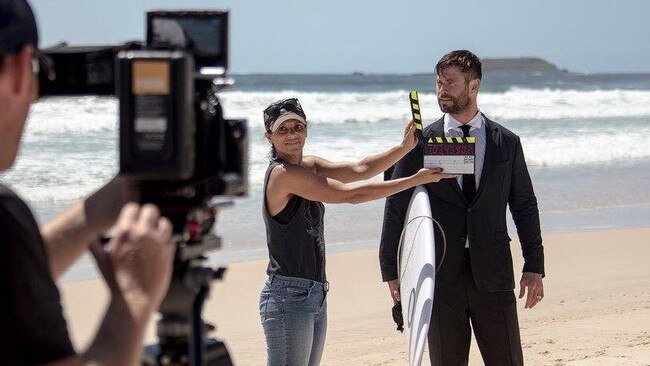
176	145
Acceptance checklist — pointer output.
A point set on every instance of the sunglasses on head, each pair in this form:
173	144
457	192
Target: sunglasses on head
274	110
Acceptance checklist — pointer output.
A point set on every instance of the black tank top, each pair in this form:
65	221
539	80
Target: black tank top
296	246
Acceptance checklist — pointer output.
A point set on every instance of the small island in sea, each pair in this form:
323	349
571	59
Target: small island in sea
516	66
520	65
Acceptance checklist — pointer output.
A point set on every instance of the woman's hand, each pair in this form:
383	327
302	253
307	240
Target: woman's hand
433	175
410	137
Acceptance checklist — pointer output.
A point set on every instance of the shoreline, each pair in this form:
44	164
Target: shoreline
85	269
577	198
338	236
595	312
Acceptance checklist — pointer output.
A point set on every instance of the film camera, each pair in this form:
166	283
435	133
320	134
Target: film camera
176	144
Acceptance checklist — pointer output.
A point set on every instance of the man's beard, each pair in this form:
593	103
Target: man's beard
458	104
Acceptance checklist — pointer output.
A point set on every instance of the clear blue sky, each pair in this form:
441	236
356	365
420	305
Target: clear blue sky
381	36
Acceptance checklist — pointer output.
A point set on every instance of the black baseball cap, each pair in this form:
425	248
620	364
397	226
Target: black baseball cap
17	26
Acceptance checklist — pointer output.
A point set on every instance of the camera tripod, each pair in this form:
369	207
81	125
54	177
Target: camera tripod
182	339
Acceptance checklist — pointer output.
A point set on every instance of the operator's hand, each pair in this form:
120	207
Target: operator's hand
533	282
393	287
137	262
410	137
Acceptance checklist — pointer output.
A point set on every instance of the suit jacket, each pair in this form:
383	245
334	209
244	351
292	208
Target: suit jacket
504	181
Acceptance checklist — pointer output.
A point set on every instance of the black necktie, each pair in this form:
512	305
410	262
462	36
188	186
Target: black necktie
469	183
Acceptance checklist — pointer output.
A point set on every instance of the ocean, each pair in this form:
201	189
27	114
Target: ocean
585	139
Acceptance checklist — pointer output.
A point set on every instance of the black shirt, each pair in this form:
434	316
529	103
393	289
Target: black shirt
32	327
296	244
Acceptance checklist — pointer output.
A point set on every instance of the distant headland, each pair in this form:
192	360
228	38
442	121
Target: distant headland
510	65
521	64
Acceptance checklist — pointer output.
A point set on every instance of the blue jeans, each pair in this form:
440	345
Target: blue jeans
294	317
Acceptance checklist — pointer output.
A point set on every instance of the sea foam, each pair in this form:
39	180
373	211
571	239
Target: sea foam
70	144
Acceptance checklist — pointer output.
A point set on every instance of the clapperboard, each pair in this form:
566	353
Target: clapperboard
455	155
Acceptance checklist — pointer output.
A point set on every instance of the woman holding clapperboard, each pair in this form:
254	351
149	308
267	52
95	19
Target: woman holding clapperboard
293	306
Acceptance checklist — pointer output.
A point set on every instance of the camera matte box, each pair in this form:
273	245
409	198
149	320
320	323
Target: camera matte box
455	155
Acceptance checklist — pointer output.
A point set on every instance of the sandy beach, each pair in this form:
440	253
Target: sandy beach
596	310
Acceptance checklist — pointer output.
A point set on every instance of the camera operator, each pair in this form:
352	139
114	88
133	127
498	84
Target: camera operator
136	263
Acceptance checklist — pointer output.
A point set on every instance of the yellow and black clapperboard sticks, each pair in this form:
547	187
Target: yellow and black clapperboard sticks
451	140
415	111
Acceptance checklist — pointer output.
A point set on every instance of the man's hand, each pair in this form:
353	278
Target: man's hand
137	262
393	287
137	266
533	282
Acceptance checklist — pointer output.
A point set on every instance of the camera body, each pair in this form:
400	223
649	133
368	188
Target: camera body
174	139
176	144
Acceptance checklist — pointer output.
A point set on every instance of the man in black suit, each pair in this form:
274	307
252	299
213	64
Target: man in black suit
475	283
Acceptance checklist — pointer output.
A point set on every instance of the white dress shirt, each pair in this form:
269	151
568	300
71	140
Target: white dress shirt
477	130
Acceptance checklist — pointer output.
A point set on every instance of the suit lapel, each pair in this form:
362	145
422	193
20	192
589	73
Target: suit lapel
438	130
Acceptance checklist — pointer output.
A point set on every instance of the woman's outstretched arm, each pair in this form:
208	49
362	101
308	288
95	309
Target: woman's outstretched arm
288	179
370	166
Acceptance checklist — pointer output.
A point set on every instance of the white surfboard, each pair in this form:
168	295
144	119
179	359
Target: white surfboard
417	273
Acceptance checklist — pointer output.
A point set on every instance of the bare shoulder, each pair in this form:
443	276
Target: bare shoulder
277	174
278	170
311	162
286	171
